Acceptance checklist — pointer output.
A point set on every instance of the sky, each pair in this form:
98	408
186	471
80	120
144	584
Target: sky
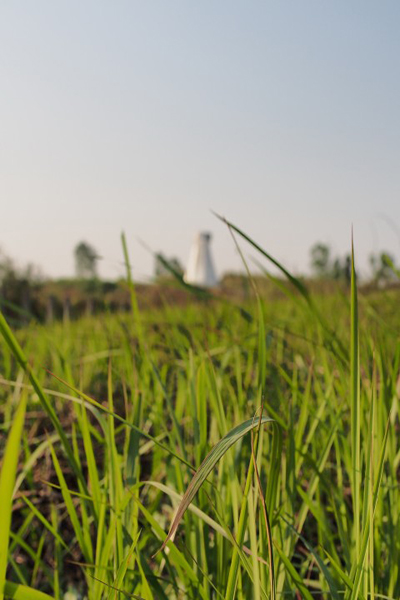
144	117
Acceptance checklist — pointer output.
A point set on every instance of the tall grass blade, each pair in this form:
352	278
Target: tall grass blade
267	523
132	291
295	577
16	591
7	481
208	464
337	345
358	568
355	406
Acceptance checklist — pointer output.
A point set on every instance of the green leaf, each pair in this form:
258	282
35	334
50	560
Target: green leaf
208	464
16	591
355	406
297	580
7	481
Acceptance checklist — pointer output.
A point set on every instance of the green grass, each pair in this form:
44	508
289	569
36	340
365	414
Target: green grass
136	466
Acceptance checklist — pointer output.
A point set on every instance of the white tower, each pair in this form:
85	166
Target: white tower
200	270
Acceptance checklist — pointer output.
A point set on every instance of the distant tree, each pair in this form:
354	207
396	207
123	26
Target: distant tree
166	267
6	266
389	261
383	267
17	288
337	269
85	261
321	260
341	269
326	267
347	269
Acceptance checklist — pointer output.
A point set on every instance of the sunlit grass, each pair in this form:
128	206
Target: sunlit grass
139	425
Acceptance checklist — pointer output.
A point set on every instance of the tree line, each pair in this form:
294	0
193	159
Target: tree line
25	292
326	266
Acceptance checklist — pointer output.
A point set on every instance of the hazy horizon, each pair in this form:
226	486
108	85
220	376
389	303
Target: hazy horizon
145	117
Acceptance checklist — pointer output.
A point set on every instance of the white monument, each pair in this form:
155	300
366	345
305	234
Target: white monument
200	270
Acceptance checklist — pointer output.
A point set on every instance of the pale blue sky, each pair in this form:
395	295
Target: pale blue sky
284	116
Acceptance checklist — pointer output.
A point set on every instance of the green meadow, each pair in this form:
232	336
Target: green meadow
216	450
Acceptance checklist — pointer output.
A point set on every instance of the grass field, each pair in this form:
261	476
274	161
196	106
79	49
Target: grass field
105	421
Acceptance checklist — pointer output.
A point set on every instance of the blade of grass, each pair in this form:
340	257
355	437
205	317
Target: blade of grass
118	581
45	522
297	580
298	285
206	467
357	571
86	550
267	524
7	482
134	304
355	405
105	410
16	591
22	360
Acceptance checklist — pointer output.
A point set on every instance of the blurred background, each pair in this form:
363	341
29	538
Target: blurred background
147	116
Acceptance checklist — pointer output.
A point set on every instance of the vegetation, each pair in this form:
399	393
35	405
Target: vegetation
163	267
86	259
262	436
383	267
324	266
